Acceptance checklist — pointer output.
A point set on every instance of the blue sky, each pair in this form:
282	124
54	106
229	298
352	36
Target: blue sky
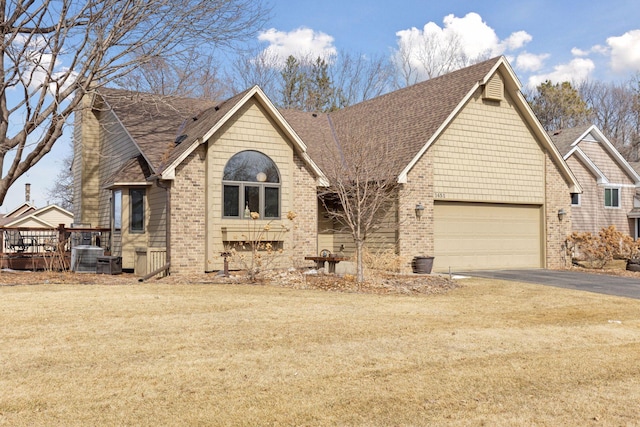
557	40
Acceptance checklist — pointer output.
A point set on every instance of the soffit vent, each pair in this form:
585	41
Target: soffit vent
494	89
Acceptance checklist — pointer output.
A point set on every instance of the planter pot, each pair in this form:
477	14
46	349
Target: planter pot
633	265
422	264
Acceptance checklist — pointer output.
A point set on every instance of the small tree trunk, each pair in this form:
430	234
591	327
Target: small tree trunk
359	263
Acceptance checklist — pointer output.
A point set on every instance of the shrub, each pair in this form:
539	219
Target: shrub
382	259
262	245
598	250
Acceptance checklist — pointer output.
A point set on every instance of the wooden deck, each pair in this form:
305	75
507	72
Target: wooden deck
35	248
35	261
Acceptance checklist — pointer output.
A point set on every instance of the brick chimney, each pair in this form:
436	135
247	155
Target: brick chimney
27	193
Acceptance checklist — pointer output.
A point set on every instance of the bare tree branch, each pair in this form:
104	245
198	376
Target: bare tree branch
56	50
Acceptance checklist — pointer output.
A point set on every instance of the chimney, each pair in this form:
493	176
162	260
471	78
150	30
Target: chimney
27	192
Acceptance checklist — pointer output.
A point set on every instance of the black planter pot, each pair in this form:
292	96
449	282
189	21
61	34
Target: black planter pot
633	264
422	264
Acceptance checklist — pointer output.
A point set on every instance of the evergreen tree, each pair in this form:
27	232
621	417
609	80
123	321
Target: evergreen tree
559	106
293	84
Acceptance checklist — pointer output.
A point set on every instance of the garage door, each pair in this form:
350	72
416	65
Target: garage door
486	236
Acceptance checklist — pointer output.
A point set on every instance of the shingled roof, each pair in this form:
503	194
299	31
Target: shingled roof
404	120
133	172
196	127
166	129
153	121
564	138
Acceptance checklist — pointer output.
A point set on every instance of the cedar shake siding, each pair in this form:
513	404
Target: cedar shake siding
252	129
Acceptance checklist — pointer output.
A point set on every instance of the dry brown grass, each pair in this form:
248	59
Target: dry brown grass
488	353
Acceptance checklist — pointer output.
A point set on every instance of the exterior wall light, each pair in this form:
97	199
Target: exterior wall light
561	214
419	210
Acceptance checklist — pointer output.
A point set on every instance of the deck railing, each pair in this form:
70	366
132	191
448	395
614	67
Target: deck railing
37	240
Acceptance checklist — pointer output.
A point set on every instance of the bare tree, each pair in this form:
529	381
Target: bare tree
422	56
362	185
61	190
614	109
191	74
54	50
343	80
360	77
256	67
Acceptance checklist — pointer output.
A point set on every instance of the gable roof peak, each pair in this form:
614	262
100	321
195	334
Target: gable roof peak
567	141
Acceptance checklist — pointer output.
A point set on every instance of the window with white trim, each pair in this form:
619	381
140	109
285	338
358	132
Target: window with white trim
612	197
250	183
575	199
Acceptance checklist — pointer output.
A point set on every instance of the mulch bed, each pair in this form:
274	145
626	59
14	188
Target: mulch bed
375	283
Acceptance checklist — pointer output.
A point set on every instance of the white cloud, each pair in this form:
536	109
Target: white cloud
579	52
577	70
530	62
433	50
517	40
301	42
475	36
602	50
38	65
625	51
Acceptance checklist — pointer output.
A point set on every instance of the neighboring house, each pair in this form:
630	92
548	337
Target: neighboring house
50	216
608	181
28	215
30	218
173	177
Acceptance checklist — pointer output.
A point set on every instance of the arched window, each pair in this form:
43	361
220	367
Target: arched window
251	183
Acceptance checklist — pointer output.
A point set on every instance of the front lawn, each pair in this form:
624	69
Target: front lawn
486	353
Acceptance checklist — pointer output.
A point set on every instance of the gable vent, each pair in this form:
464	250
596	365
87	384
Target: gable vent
494	89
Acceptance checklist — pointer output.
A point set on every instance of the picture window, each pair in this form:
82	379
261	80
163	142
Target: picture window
251	183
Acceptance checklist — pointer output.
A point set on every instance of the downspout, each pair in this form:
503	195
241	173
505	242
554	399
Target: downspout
167	189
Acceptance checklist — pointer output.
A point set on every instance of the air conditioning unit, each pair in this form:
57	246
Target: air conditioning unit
84	258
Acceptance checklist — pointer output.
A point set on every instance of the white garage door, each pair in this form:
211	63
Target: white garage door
486	236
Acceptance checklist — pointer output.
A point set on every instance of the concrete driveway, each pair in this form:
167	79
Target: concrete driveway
599	283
